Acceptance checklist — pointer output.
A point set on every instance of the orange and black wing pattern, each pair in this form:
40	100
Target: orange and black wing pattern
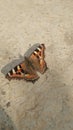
28	68
22	72
37	59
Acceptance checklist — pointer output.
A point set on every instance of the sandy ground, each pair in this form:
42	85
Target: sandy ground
48	103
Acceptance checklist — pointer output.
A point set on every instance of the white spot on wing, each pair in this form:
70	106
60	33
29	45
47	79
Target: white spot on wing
13	71
35	52
39	49
18	67
9	74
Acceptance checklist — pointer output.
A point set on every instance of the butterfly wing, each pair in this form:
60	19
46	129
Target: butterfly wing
37	59
23	71
27	69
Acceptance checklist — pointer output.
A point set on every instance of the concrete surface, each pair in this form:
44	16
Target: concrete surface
47	104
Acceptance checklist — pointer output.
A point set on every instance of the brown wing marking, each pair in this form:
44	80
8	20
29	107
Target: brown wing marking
37	59
22	72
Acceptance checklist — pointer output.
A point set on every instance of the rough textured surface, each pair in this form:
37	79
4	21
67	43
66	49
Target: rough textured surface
47	104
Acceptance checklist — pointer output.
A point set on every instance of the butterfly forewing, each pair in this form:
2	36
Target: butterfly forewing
37	59
22	72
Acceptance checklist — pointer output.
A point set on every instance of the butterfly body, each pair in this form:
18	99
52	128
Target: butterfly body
28	68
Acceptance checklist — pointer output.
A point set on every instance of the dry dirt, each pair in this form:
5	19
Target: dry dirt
48	103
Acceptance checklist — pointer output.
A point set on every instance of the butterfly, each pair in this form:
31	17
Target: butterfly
33	62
